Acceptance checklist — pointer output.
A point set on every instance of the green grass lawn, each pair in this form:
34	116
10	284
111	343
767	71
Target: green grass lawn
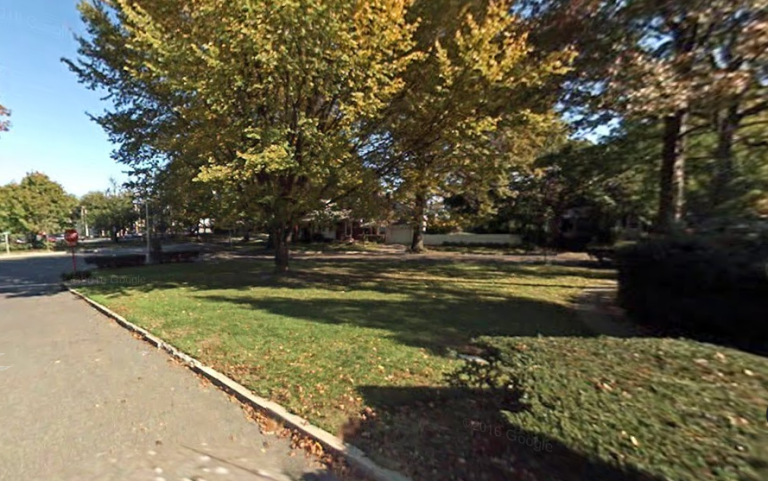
366	349
331	247
485	249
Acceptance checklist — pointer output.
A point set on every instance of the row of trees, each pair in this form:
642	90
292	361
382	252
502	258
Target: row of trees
632	72
272	110
693	74
38	205
260	113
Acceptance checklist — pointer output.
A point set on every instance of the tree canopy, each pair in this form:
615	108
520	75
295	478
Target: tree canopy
284	106
478	101
270	99
696	67
35	205
111	211
259	113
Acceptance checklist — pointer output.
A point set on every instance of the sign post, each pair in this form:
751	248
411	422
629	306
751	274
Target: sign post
70	235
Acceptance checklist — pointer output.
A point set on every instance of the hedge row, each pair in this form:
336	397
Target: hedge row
714	289
625	409
116	261
133	260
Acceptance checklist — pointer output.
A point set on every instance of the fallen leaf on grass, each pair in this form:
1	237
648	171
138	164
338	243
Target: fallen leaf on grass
720	356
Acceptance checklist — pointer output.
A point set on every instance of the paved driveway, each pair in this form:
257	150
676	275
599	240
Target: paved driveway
80	399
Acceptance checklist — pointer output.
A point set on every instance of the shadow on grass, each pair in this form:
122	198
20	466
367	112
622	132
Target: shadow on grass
436	305
463	298
458	433
383	274
440	304
433	324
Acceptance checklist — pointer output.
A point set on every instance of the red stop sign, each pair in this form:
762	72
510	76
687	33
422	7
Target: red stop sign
70	235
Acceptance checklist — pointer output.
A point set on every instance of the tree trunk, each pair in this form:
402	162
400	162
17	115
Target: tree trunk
419	224
155	250
281	235
724	169
113	234
672	175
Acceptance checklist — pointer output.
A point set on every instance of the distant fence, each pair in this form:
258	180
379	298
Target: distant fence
404	235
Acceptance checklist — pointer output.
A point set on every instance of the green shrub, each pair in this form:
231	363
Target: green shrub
15	246
712	287
489	245
633	409
116	261
187	255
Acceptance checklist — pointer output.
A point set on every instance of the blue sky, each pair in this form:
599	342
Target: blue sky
50	130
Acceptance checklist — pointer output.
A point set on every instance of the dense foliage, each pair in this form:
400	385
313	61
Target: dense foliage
36	205
687	68
633	404
281	108
268	101
714	288
477	102
110	211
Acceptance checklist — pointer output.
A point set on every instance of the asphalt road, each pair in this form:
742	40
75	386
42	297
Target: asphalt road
81	399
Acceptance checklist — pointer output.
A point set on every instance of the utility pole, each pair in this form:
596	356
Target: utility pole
83	215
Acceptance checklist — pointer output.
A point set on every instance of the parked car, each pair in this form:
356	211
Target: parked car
52	238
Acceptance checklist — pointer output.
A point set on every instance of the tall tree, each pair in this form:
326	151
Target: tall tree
475	102
267	97
36	205
662	61
111	211
11	209
736	88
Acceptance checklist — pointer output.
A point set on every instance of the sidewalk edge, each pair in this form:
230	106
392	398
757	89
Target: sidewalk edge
353	455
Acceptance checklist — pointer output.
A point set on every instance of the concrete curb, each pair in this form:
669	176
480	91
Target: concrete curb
354	456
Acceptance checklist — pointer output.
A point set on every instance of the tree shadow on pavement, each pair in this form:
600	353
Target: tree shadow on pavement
26	276
29	290
261	475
